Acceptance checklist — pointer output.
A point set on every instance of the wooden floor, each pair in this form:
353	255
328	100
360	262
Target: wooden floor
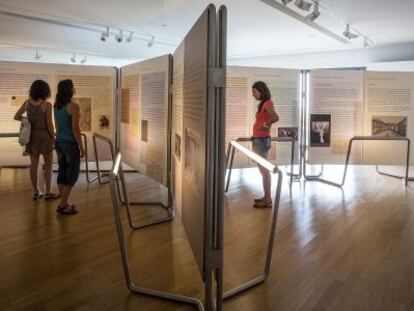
350	249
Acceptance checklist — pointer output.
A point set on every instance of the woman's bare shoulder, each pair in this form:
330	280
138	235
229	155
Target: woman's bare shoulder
73	106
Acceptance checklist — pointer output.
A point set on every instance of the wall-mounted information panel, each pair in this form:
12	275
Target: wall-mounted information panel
241	108
95	90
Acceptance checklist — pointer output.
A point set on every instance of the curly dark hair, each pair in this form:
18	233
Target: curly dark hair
39	90
264	92
64	93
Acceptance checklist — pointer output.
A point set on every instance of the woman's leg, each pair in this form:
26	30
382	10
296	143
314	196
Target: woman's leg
72	169
34	163
267	182
65	193
62	164
48	158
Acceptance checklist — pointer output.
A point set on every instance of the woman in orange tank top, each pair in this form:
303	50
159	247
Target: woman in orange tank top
261	140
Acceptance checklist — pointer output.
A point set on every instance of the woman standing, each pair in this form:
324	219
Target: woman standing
69	145
39	112
261	141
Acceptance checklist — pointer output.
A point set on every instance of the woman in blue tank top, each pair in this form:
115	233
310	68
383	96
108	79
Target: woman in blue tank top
68	144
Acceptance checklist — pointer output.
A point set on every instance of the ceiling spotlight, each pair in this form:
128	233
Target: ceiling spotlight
130	37
105	34
303	5
315	14
151	42
73	58
286	1
37	55
120	36
348	34
84	60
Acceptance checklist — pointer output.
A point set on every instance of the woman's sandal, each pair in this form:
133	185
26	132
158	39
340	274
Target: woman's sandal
263	204
258	200
52	196
68	209
37	196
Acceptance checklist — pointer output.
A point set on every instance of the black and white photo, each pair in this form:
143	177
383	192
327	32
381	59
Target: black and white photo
320	130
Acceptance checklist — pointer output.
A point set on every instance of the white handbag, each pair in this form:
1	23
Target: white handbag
25	129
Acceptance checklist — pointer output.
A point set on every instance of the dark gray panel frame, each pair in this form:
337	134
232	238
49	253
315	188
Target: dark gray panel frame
212	212
197	153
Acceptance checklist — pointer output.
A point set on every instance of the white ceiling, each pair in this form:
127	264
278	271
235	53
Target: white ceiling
254	29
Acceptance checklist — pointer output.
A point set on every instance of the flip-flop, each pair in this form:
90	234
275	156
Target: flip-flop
52	196
68	209
263	204
258	200
37	196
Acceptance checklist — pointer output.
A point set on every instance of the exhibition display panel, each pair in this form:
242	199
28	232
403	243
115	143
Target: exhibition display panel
144	116
200	120
95	94
284	85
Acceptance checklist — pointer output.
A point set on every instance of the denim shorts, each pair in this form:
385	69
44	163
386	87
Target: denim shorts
69	162
261	146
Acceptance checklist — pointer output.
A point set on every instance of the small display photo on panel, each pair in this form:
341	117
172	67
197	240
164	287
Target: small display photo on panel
320	130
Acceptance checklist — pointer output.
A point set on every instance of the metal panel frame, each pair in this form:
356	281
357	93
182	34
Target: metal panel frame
87	171
392	175
231	150
260	279
114	177
366	138
122	188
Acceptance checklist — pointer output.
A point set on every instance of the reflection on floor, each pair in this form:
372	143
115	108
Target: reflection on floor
349	249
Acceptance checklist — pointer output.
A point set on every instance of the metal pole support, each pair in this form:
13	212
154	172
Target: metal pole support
260	279
366	138
114	176
231	150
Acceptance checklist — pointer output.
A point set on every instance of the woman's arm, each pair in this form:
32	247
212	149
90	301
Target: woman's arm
75	112
19	113
50	127
273	116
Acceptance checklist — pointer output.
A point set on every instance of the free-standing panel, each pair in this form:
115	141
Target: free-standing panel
198	134
177	124
389	112
144	116
335	115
